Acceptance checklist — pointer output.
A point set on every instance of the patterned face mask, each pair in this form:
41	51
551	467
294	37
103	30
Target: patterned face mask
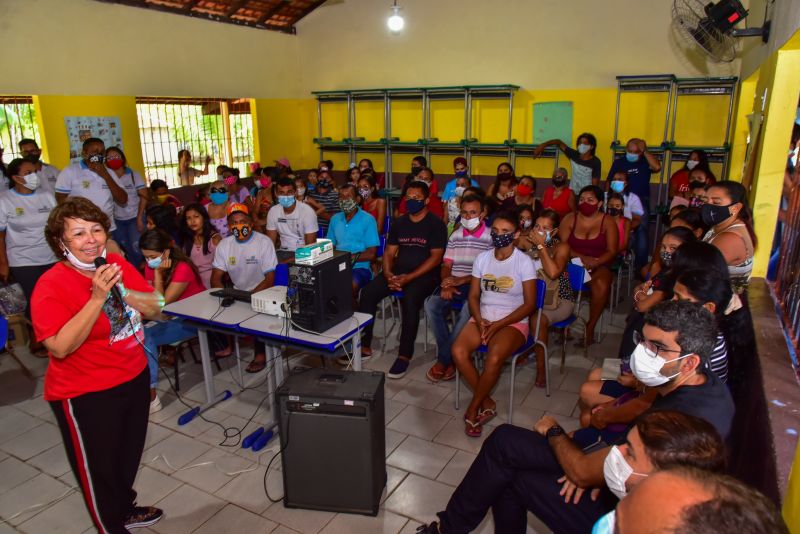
502	240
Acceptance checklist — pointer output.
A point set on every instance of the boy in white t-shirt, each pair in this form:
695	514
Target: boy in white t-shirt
502	297
249	259
295	223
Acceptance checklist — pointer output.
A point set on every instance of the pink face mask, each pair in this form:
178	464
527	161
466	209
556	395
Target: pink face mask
229	180
265	182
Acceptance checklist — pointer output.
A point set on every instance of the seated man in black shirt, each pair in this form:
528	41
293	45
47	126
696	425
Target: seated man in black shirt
520	466
411	260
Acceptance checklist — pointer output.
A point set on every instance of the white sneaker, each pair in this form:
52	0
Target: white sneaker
344	360
155	405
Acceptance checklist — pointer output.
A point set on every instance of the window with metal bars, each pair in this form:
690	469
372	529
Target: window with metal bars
221	129
17	121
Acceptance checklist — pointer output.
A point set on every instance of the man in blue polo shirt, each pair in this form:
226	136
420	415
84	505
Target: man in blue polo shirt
355	231
639	164
460	169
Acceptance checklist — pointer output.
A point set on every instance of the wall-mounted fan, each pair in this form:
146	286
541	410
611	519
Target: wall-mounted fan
711	26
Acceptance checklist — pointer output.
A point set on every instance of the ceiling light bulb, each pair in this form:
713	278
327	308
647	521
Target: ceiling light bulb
396	21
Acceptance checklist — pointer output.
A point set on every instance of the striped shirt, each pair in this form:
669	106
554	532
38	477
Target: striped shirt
718	362
463	248
329	201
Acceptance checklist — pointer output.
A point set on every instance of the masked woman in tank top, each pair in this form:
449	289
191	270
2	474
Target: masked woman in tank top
728	214
593	238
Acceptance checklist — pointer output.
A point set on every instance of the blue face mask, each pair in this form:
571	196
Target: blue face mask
155	263
414	205
606	524
630	156
311	187
461	173
286	201
617	186
219	198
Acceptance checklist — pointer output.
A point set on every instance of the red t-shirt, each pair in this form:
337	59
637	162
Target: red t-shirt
680	181
182	273
561	204
111	354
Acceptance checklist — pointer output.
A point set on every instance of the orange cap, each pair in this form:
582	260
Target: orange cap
233	208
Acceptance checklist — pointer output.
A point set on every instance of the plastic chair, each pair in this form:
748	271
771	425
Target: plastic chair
4	344
575	273
321	233
583	287
282	274
526	348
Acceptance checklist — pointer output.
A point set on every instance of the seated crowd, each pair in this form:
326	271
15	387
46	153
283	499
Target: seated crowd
654	418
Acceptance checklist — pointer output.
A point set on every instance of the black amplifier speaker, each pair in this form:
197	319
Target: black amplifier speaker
331	427
323	292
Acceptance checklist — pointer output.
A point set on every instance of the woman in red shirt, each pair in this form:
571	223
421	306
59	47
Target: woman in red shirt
434	203
96	382
171	272
559	197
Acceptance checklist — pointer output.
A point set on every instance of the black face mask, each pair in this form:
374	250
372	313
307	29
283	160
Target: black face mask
34	158
415	170
560	181
712	215
614	211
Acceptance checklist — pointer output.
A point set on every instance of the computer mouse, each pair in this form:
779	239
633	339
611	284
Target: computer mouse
228	301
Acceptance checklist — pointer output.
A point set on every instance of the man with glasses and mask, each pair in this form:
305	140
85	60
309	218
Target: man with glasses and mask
519	469
47	173
91	179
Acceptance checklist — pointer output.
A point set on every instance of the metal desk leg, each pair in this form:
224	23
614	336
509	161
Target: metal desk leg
212	397
238	360
357	350
277	365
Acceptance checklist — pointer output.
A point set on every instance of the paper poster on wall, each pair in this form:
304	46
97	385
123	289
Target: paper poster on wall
81	128
552	120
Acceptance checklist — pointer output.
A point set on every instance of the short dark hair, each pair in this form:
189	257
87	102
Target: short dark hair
91	141
158	184
509	216
592	141
120	152
695	326
676	438
353	189
593	189
474	198
680	232
285	181
27	141
429	171
733	506
422	160
71	208
692	217
422	186
14	167
549	214
706	286
615	196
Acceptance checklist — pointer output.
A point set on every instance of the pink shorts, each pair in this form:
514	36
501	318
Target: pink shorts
523	327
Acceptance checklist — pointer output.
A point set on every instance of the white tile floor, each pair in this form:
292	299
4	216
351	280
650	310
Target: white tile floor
186	469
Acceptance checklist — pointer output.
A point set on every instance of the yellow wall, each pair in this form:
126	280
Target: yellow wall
51	111
779	79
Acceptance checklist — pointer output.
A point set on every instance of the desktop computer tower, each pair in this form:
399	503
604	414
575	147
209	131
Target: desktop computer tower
322	294
331	427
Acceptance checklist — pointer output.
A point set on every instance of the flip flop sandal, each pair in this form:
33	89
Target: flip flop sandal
473	429
484	416
256	366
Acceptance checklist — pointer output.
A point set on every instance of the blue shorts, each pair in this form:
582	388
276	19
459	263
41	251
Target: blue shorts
361	277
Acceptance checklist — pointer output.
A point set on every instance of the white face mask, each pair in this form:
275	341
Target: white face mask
78	263
31	181
460	191
617	471
471	224
691	164
301	191
583	148
646	367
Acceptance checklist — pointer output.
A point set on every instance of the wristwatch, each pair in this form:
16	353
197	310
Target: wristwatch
539	246
554	431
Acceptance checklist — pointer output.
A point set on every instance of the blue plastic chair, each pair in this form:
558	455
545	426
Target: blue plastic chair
526	348
321	233
282	274
575	273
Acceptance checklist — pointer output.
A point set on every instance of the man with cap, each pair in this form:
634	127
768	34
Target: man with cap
249	259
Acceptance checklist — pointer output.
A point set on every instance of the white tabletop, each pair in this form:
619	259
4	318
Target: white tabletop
270	326
207	309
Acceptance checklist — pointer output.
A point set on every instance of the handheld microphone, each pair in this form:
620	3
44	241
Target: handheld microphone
100	261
